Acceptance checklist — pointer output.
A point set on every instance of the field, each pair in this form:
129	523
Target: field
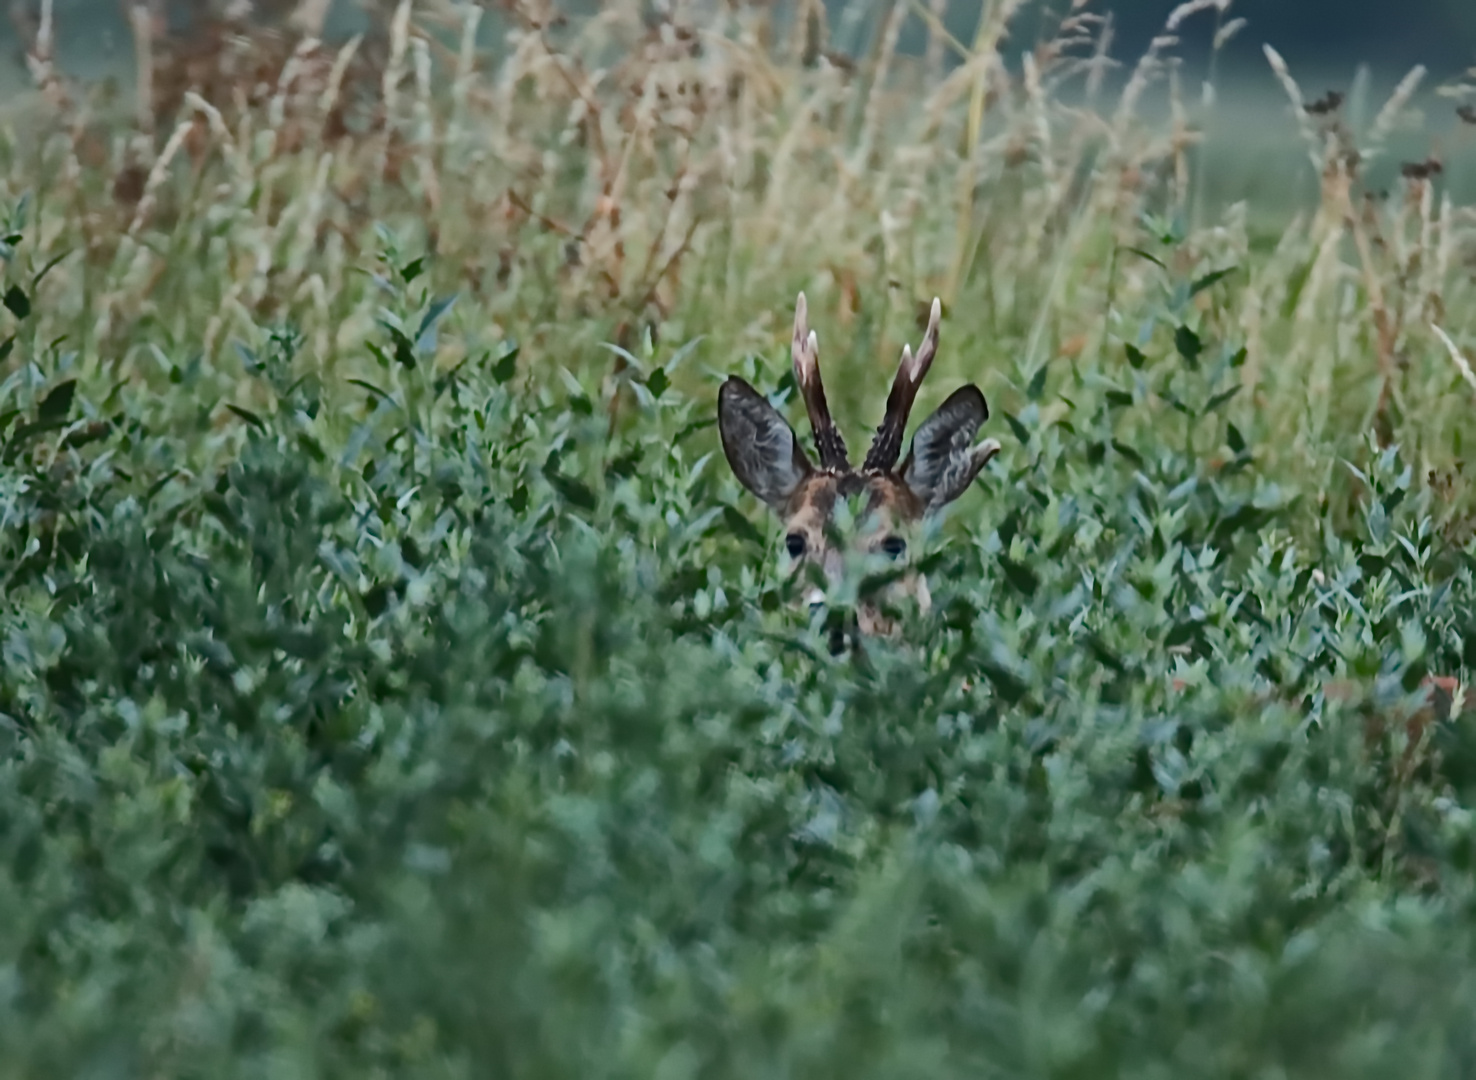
396	681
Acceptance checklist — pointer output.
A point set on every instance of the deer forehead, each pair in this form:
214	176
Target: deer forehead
883	499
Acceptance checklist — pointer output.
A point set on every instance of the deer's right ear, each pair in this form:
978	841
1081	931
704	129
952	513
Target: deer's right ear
760	445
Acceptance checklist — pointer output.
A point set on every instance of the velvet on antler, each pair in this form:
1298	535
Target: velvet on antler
806	351
886	447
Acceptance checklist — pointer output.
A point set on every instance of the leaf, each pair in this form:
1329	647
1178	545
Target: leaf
657	382
622	352
57	404
682	353
1018	428
17	301
412	269
1020	576
1009	686
1128	452
1220	399
626	464
1147	255
434	315
1200	284
159	485
1119	398
249	416
1246	518
506	366
1295	286
51	264
376	599
741	527
450	380
248	357
5	348
221	511
404	347
376	391
1189	345
692	429
1237	360
1104	654
575	492
1037	383
1235	439
88	433
1135	356
1182	633
26	432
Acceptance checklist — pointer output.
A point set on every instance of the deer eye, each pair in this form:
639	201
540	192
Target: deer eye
894	546
794	543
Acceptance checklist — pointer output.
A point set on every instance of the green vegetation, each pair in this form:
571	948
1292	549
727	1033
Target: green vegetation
396	682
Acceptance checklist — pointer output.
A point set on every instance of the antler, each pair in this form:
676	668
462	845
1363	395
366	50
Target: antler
806	349
887	445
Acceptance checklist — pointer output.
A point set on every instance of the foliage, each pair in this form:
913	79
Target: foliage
395	682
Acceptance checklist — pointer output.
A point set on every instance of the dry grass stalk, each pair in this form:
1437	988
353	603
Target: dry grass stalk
394	74
1315	143
1461	363
158	173
876	94
1388	116
425	136
142	24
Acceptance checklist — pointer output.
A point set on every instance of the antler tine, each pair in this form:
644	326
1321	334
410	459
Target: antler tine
886	447
806	349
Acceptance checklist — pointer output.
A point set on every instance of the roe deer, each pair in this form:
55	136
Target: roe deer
941	463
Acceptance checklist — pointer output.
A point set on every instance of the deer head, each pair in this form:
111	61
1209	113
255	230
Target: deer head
941	463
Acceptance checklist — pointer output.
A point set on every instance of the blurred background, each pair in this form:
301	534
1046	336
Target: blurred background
1313	35
1361	48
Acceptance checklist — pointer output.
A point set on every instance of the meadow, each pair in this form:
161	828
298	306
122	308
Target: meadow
395	680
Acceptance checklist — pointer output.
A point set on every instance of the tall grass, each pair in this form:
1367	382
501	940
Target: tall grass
608	175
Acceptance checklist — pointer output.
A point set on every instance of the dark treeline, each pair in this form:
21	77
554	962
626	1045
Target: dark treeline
1312	34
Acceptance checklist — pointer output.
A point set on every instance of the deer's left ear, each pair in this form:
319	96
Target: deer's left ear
943	459
759	444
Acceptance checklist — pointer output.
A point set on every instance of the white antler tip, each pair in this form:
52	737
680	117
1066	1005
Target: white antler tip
813	341
937	311
801	322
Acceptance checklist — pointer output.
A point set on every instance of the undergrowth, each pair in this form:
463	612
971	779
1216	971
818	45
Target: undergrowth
395	680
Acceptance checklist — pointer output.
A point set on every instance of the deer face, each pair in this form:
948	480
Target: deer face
891	499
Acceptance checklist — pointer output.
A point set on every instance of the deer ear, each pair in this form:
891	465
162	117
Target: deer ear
943	459
760	445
